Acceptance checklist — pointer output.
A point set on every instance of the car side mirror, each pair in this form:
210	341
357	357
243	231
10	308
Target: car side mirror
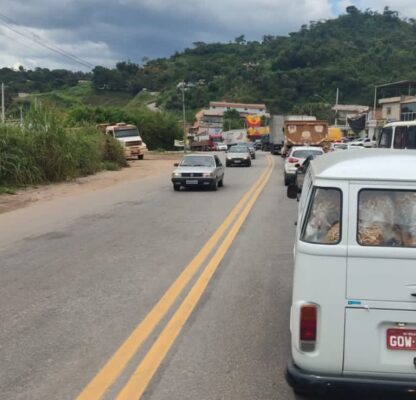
176	164
292	192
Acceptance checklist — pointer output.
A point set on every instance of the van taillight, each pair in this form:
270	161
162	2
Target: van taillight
308	326
292	160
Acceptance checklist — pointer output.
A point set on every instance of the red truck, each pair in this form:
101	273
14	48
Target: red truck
205	142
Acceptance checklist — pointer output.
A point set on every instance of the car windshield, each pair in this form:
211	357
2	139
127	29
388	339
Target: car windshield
239	149
123	133
305	153
197	161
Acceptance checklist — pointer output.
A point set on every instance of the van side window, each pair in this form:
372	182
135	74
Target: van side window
385	138
323	221
411	137
387	218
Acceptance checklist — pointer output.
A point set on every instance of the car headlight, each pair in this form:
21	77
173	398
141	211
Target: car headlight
246	157
207	174
176	175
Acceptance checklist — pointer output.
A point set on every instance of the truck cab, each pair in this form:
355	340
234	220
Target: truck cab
129	137
353	312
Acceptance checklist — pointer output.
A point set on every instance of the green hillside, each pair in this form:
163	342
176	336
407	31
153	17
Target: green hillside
85	94
301	71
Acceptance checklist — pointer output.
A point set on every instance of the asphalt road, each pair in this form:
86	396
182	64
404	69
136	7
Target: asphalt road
78	276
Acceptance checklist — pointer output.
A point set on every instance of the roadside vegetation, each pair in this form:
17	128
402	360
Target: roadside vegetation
42	150
157	129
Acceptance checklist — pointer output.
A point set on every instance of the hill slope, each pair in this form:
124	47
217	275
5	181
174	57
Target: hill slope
300	71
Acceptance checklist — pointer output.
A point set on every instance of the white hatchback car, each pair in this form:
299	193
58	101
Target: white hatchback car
353	313
296	156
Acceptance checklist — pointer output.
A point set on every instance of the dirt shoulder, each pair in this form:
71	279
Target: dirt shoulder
152	165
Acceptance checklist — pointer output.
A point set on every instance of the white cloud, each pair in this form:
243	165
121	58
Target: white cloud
19	49
106	31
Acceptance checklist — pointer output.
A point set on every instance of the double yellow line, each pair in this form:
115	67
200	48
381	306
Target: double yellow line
141	377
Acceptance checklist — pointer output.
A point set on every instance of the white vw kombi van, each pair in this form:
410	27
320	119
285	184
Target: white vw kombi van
353	314
398	135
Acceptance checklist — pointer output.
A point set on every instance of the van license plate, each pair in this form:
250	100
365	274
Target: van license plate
237	161
401	339
191	181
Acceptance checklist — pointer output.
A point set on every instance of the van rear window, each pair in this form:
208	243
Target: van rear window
387	218
323	222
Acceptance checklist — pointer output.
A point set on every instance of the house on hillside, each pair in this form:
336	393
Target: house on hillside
242	108
211	121
399	108
343	112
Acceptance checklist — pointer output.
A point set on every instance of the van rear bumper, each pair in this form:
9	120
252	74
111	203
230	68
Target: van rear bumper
311	383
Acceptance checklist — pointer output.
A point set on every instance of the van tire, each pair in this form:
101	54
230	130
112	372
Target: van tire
214	185
221	182
176	188
140	157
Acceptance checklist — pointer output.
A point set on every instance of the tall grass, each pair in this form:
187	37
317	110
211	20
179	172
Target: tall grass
43	150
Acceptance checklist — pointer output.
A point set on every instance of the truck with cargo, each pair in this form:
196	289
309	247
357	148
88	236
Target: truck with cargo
205	141
304	133
276	134
129	138
234	137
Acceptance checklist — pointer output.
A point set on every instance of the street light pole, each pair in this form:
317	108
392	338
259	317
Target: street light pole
184	117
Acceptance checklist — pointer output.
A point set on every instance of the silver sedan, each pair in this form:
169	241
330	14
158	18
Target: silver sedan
198	170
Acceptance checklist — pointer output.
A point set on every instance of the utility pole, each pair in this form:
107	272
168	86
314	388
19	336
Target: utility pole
336	107
2	103
184	117
21	115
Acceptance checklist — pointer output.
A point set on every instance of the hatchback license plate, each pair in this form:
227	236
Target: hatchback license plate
401	339
191	181
237	161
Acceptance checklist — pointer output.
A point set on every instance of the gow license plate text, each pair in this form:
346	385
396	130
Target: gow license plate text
401	339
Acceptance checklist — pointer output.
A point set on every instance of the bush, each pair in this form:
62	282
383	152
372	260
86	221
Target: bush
113	152
17	165
110	166
42	150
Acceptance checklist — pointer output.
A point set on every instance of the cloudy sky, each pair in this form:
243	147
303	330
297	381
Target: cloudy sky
51	34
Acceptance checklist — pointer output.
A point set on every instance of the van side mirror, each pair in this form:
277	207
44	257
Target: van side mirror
292	192
176	164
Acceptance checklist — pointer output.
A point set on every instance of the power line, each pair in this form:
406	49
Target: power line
7	22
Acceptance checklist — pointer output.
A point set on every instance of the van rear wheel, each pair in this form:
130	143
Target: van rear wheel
140	157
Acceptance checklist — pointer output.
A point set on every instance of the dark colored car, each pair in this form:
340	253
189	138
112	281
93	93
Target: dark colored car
301	172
